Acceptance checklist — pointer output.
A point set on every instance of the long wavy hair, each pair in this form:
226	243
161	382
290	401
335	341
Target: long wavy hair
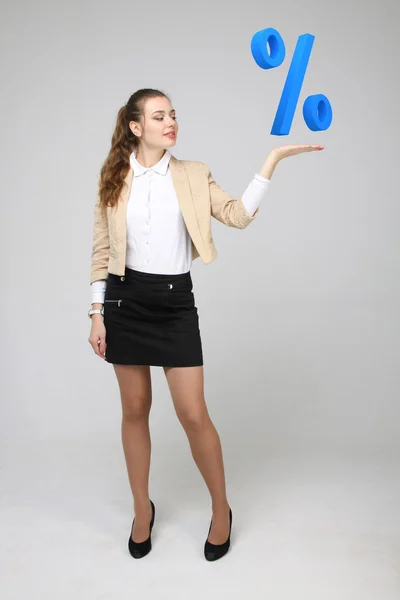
123	143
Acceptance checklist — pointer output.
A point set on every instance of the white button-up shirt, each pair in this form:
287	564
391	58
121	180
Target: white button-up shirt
157	240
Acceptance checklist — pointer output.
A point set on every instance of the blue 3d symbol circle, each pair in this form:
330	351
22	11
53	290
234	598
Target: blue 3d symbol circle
317	111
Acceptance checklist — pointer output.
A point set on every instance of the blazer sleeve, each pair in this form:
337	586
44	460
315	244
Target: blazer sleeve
226	209
100	244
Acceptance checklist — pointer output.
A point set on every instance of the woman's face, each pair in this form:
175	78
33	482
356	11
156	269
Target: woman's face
160	118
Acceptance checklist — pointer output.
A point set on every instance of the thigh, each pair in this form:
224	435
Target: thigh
135	387
186	385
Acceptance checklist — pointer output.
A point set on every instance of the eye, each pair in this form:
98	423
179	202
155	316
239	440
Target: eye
161	118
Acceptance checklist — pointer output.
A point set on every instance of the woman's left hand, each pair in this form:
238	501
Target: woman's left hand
284	151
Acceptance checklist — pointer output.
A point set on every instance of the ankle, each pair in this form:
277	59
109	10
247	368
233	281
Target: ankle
141	505
220	507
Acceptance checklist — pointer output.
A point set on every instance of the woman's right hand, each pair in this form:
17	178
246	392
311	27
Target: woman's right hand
97	337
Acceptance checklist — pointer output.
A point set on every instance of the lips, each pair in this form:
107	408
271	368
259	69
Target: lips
170	133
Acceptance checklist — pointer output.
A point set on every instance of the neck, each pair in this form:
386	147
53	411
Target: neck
148	157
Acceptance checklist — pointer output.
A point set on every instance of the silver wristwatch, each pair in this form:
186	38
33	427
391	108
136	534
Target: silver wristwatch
95	311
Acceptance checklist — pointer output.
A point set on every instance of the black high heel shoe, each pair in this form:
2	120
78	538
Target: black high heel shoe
140	549
216	551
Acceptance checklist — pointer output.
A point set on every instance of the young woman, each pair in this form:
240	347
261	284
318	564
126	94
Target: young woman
152	217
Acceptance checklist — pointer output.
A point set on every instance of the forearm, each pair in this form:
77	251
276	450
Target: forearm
269	166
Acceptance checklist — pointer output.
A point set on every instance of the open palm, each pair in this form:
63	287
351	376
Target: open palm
290	150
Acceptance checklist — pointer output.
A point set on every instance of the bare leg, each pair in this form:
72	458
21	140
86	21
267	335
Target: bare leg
136	398
186	385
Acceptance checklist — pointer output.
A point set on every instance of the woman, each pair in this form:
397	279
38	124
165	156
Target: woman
152	217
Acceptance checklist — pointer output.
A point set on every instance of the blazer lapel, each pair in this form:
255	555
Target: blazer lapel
186	199
120	213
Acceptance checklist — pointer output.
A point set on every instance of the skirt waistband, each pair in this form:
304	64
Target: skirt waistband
132	275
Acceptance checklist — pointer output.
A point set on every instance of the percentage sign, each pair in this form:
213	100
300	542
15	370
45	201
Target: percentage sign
317	111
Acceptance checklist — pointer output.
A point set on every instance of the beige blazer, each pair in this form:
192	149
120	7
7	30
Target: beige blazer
199	198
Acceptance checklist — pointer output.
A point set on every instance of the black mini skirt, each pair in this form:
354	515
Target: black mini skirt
151	319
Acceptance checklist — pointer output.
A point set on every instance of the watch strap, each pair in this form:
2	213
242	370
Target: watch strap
95	311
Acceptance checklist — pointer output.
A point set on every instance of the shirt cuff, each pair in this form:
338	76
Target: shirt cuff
261	178
98	291
255	193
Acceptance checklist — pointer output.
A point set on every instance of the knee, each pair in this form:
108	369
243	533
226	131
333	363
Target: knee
194	420
136	409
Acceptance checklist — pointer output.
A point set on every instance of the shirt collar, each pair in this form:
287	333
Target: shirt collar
161	167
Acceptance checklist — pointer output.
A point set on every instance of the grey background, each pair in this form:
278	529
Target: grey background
299	313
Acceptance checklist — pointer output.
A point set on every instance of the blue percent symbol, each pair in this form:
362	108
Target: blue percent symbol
317	111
